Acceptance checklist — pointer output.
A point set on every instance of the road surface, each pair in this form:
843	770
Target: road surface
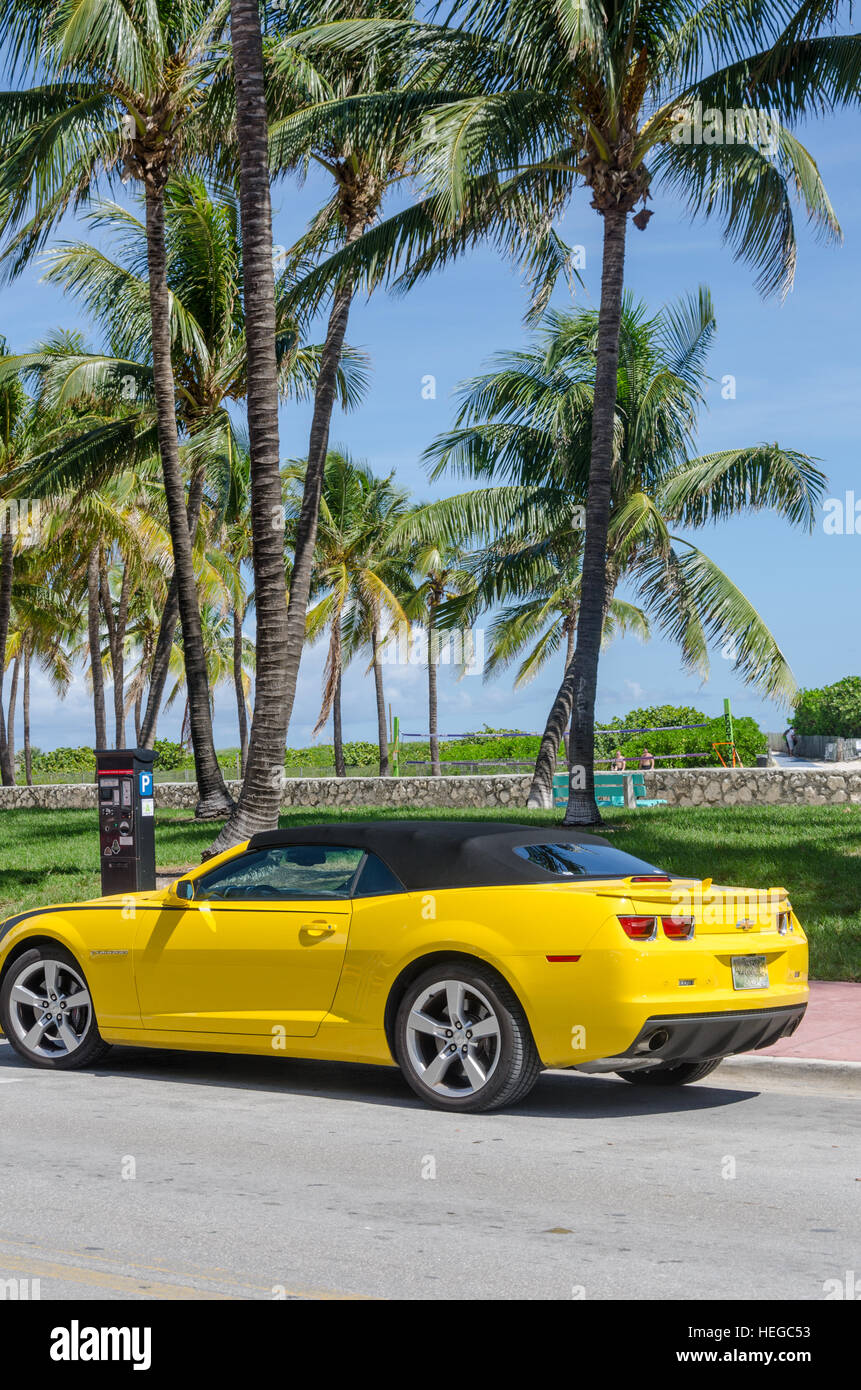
166	1175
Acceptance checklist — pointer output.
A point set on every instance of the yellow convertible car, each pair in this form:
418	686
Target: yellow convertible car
470	955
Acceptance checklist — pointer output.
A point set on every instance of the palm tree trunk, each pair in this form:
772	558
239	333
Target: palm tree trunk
213	798
338	731
118	659
433	654
241	711
382	734
167	629
10	722
541	791
146	657
93	637
582	808
107	604
277	638
28	752
7	772
280	640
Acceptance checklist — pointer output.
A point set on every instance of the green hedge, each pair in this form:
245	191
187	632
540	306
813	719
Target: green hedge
62	760
749	738
486	745
833	709
169	755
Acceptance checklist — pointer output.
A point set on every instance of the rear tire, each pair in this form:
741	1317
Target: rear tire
463	1041
47	1013
671	1074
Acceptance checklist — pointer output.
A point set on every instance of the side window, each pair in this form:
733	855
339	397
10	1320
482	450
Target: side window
285	872
375	879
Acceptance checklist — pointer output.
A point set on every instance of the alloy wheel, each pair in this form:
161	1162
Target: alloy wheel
50	1008
453	1038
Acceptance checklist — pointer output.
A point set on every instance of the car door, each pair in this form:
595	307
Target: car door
258	950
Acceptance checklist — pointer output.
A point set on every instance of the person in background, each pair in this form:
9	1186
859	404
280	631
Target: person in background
647	761
618	764
791	740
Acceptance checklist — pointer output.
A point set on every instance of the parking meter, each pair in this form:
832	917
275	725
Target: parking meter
124	779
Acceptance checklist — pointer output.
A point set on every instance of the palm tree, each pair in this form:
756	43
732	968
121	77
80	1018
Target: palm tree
441	576
615	96
16	427
257	808
357	114
30	433
308	102
220	660
39	631
106	554
123	89
362	574
204	258
236	546
529	421
340	536
73	440
382	585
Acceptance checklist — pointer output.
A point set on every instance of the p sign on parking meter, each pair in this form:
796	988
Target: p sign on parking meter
126	819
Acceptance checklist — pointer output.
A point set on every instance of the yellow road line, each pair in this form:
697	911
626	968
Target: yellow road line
39	1261
98	1278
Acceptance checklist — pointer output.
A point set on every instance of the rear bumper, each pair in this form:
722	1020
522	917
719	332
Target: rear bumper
696	1037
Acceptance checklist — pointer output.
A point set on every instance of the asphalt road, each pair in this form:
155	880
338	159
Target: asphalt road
255	1179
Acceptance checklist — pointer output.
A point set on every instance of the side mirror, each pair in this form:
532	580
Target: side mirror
183	889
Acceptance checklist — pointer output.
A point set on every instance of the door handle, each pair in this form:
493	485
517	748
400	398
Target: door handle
319	928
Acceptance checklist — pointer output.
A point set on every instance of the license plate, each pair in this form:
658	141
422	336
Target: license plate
749	972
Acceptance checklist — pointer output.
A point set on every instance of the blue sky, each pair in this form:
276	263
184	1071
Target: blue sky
796	370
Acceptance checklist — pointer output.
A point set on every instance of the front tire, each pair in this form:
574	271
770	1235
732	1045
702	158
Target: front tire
680	1074
47	1011
463	1041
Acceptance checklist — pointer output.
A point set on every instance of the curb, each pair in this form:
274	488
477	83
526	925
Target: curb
839	1075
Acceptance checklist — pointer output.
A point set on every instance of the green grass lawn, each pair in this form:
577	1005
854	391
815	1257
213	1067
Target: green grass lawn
812	851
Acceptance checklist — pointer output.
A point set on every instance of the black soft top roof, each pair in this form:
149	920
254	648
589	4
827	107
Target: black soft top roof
427	855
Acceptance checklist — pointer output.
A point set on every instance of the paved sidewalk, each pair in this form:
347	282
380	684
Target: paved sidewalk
783	760
831	1028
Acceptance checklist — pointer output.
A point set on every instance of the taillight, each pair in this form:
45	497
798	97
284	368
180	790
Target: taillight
640	928
678	928
784	923
651	878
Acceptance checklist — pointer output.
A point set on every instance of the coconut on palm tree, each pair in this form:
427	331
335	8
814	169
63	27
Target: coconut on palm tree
528	423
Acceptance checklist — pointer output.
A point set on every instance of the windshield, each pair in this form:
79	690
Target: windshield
585	861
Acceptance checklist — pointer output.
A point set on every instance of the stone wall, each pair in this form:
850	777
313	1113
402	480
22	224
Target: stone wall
397	792
744	786
679	786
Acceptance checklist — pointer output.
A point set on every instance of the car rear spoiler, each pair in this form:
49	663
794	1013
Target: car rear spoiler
647	889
